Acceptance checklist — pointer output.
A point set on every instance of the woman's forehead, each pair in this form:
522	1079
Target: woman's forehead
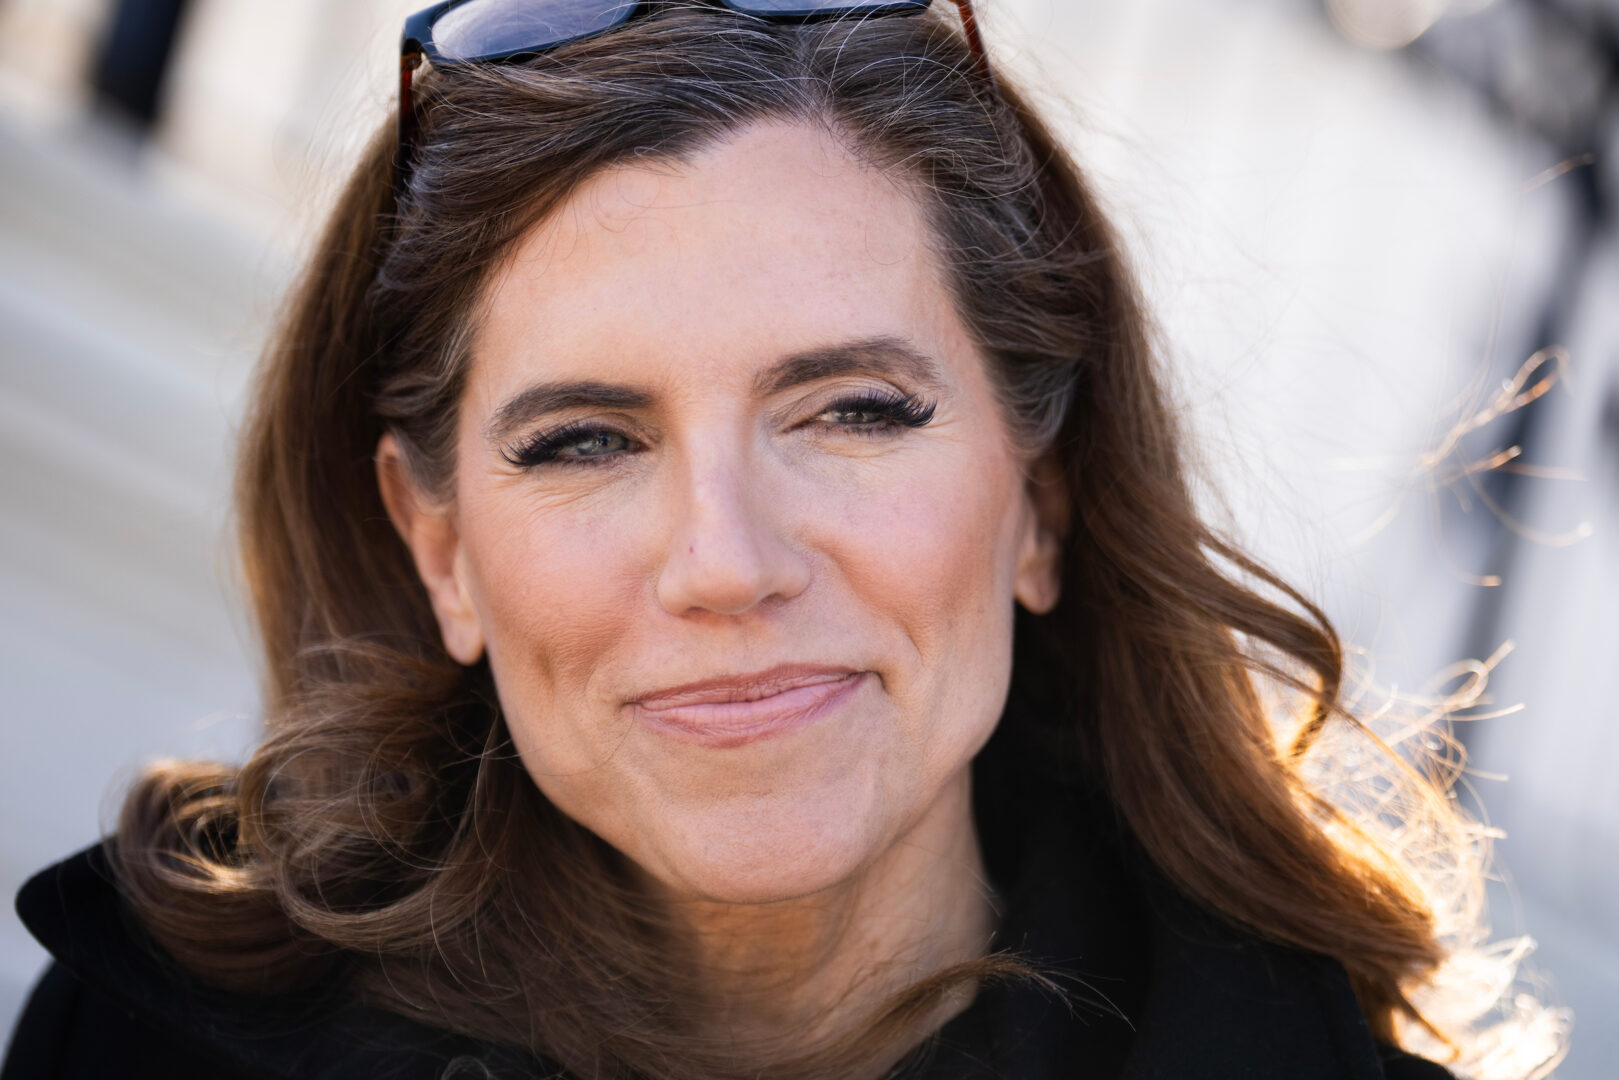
773	241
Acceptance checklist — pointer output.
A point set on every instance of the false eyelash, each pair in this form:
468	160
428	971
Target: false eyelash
542	448
908	411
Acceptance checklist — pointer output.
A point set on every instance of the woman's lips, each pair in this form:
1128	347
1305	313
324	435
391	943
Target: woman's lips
733	711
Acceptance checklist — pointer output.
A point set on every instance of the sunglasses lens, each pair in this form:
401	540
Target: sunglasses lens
485	29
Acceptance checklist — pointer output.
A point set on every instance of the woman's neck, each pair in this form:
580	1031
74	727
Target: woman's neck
815	966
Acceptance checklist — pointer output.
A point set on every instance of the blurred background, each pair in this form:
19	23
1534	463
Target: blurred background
1378	235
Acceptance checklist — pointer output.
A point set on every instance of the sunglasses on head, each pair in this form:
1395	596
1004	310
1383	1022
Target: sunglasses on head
486	31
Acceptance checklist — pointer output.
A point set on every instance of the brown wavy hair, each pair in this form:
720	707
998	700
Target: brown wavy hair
384	833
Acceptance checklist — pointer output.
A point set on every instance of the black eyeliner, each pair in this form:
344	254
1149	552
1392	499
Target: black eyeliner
891	411
543	447
908	411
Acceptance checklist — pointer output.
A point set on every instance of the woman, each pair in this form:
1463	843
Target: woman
733	607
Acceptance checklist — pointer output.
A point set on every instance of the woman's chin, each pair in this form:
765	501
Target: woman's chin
764	856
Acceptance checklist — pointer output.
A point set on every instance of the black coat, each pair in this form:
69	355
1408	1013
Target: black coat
1161	989
1213	1003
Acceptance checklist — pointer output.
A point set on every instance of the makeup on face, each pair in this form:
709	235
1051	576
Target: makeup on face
737	521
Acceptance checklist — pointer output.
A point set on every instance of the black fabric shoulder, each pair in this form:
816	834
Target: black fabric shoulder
1399	1065
70	1031
1182	996
129	1004
41	1036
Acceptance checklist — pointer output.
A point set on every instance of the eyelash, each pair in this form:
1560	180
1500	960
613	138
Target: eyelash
892	412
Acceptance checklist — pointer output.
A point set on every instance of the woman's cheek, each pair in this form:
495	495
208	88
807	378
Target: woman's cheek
939	531
555	589
932	555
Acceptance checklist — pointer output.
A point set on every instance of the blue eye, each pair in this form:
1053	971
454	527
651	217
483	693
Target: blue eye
594	444
571	444
586	443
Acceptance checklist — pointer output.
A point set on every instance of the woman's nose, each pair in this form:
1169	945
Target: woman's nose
728	550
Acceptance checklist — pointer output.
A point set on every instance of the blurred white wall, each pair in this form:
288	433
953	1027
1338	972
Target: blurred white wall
126	326
1337	244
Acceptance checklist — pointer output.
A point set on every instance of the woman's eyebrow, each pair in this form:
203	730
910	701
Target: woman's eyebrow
885	356
873	356
542	398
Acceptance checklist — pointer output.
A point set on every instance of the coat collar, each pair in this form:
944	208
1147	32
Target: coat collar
1158	987
1159	990
75	910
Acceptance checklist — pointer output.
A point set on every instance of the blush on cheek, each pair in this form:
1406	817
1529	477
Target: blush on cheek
556	596
936	555
945	536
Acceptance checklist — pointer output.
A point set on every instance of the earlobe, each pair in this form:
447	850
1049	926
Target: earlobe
1039	580
430	532
459	624
1039	571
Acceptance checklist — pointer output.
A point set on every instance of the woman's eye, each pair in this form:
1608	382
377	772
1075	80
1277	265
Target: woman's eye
572	444
870	414
857	417
595	444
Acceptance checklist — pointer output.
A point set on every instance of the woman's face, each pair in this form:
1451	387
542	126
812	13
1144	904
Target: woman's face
737	520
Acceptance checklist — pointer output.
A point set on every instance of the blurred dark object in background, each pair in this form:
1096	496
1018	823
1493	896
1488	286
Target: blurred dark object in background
133	60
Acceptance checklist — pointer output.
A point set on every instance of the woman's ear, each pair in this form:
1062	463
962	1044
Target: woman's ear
1038	584
429	530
